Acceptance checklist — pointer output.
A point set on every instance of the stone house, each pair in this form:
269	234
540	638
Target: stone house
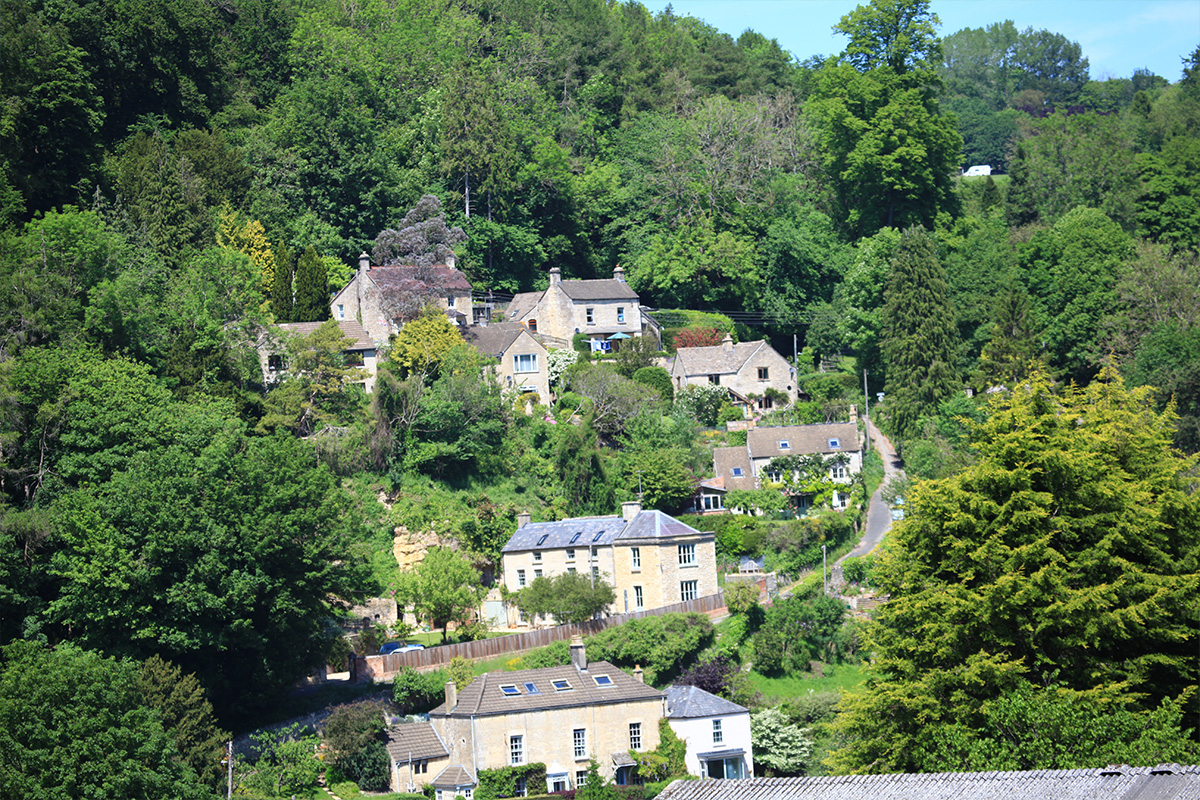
716	732
561	717
382	299
745	467
522	363
651	559
747	369
607	310
361	353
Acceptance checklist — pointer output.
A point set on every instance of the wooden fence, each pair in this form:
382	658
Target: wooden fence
382	668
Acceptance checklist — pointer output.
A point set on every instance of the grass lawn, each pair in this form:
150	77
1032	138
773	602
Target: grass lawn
837	676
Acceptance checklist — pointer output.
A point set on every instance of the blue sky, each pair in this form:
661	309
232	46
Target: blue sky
1117	36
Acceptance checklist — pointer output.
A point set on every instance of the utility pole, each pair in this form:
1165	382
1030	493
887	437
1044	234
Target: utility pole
229	770
866	413
825	570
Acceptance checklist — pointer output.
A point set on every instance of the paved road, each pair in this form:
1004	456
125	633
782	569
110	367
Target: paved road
879	516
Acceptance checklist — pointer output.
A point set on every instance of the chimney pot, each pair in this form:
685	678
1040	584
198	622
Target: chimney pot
364	262
523	519
630	509
451	696
618	274
578	656
637	673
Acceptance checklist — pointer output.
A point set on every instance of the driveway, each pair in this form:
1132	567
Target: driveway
879	516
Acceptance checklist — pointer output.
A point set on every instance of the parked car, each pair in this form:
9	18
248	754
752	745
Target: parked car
399	647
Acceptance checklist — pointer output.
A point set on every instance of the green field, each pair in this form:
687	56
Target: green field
837	676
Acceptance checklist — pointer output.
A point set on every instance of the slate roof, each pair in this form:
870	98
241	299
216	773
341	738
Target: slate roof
416	739
598	531
689	702
350	329
452	777
602	289
716	360
802	439
1128	783
522	304
494	339
484	697
412	278
724	461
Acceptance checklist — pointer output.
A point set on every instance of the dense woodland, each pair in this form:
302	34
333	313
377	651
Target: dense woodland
176	176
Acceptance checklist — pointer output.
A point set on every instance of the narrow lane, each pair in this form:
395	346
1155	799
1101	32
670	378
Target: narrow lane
879	516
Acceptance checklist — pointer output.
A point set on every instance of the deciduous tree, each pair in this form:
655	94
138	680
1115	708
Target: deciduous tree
447	588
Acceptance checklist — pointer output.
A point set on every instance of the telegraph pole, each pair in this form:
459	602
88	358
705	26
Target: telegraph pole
866	412
825	570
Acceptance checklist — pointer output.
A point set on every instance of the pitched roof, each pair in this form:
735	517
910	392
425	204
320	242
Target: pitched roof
802	439
416	740
487	697
438	277
350	329
452	777
716	360
598	531
494	339
522	304
1127	783
687	702
726	459
602	289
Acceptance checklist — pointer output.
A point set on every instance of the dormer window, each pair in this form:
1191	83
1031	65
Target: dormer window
784	444
835	444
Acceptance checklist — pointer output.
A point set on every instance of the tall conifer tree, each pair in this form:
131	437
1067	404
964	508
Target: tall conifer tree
281	287
919	337
312	289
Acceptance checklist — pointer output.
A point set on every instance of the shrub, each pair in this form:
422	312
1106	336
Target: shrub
418	692
703	403
698	336
579	343
729	413
662	645
656	378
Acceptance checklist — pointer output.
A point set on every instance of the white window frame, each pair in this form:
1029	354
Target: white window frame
688	590
341	314
638	599
516	749
687	555
537	555
590	315
525	362
521	578
580	778
579	742
635	736
718	733
784	444
621	315
635	553
737	472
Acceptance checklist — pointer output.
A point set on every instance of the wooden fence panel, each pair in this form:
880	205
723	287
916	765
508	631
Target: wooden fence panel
382	668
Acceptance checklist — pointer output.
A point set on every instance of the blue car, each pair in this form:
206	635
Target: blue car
399	647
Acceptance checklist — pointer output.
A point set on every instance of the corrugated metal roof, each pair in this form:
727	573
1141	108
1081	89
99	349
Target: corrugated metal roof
689	702
1071	784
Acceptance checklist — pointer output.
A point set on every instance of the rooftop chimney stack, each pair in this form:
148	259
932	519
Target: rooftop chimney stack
523	519
637	673
630	509
727	343
555	276
618	274
578	656
451	696
364	263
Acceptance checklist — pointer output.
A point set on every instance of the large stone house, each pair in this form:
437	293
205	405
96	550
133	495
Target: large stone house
361	352
747	369
651	559
606	310
522	363
382	299
562	718
746	467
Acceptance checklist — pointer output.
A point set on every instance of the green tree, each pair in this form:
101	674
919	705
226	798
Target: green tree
663	646
1030	566
595	787
320	388
569	597
900	35
660	476
282	292
312	289
74	724
353	736
447	588
1014	344
919	339
187	715
422	240
658	378
422	344
284	763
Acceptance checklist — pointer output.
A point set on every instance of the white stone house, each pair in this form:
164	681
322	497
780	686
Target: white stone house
747	369
606	310
715	730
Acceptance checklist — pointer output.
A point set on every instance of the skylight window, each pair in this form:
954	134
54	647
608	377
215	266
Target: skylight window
531	689
737	472
561	686
510	690
784	444
575	538
835	444
603	680
596	538
542	539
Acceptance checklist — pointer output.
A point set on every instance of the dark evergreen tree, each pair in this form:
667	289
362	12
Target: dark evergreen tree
312	289
991	195
919	337
282	298
1015	342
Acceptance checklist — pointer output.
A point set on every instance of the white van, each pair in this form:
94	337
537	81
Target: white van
982	169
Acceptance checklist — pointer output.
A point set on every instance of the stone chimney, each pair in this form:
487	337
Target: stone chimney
578	656
451	696
555	276
618	274
630	509
364	263
523	519
450	261
637	673
854	412
727	343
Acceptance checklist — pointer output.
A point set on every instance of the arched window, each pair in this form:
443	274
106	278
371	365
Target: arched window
533	326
